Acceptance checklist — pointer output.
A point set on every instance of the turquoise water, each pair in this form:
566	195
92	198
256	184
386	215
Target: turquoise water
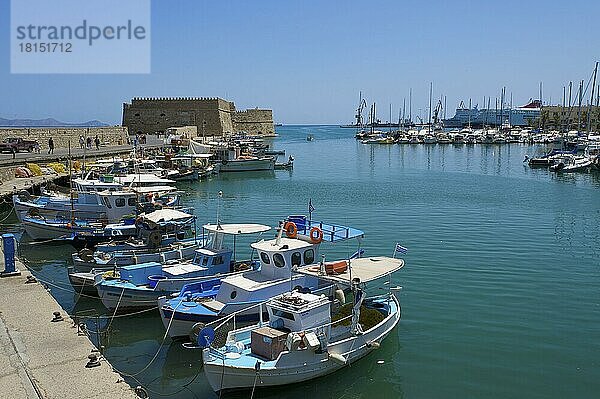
501	289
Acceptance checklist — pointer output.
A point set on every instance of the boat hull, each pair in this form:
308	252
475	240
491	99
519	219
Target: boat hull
39	230
83	284
247	165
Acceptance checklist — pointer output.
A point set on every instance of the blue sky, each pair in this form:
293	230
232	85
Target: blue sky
307	60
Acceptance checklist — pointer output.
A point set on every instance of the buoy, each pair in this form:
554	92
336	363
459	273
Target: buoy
340	296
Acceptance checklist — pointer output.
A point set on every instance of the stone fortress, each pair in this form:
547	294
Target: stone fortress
211	116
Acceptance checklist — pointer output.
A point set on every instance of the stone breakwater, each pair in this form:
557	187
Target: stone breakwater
110	135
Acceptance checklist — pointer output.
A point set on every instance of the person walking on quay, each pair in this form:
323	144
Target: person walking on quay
36	147
50	146
97	142
81	142
89	143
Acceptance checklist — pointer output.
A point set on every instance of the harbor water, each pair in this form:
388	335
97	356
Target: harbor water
501	288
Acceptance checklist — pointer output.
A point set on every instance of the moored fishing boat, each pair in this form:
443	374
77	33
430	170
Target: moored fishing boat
302	340
139	286
279	259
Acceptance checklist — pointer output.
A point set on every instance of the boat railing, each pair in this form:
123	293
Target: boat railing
331	232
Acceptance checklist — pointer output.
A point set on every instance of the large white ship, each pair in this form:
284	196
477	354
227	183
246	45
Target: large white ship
519	116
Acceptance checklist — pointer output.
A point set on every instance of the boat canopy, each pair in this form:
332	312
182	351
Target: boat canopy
366	269
153	189
166	215
237	228
147	178
191	156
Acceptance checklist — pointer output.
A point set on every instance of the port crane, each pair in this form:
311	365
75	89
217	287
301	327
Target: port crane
362	104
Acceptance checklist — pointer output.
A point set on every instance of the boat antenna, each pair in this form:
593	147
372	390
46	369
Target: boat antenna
220	196
71	185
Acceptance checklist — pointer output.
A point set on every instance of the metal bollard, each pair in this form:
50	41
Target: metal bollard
8	247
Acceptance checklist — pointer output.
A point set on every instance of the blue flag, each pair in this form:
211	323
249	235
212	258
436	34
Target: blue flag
311	208
401	249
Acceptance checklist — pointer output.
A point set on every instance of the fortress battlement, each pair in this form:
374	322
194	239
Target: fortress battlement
213	116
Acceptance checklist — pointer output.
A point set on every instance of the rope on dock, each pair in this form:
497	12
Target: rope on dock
8	214
114	316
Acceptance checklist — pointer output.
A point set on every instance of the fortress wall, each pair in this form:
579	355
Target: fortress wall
110	135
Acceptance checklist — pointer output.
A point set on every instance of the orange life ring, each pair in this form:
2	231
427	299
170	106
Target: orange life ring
291	230
318	237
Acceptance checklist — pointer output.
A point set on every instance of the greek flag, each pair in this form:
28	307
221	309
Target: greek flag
401	249
311	208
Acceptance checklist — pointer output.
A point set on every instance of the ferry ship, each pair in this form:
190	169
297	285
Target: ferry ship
519	116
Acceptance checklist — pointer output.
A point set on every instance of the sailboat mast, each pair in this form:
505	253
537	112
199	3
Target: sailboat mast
589	115
562	122
410	104
570	103
502	107
403	112
430	94
579	106
71	186
390	120
541	106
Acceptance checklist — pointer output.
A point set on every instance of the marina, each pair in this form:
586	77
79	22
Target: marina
281	200
488	241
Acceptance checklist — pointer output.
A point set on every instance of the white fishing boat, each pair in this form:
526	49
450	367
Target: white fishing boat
302	340
279	259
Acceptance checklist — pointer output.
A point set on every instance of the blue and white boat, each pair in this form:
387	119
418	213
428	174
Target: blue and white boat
136	252
150	231
39	228
104	199
139	286
279	258
307	335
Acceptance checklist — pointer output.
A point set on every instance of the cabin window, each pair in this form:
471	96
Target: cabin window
120	202
233	294
296	259
218	260
106	202
265	258
278	260
309	256
283	314
131	201
205	261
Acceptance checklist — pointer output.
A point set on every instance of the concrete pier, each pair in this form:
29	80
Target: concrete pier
13	186
40	358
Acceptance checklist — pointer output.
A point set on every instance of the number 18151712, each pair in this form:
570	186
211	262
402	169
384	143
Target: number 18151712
52	47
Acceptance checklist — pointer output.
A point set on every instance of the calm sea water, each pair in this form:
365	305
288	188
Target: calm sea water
501	288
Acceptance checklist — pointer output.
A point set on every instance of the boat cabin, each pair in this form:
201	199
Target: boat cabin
296	311
278	257
217	260
118	203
